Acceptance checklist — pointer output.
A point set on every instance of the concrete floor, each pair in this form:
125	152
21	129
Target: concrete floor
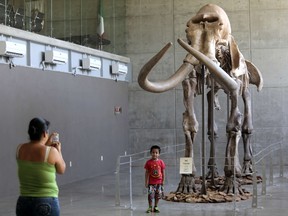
96	196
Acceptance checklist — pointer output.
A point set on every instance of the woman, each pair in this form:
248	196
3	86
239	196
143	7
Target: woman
38	162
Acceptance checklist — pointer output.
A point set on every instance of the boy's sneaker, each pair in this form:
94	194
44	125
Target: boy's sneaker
156	209
149	210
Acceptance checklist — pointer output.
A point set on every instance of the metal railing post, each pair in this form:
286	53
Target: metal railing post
203	188
117	186
263	177
234	183
271	170
281	160
130	177
254	196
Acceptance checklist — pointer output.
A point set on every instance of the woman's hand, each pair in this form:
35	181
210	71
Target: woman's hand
57	145
53	140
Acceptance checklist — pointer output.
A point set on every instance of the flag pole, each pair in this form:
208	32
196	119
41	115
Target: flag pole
101	43
100	29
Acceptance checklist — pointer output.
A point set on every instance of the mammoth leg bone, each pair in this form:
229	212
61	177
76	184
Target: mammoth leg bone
190	128
232	165
212	134
247	129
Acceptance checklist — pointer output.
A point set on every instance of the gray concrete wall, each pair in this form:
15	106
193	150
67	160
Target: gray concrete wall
259	28
80	108
80	18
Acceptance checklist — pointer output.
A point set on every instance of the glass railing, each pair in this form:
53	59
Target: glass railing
129	175
91	23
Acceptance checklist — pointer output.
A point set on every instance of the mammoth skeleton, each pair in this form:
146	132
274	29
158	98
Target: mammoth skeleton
210	43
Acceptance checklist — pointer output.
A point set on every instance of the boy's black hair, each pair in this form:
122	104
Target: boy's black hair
155	147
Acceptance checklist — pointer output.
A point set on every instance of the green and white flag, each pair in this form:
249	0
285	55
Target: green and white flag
100	28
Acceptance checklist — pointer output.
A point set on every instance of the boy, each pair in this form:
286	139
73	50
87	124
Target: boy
154	178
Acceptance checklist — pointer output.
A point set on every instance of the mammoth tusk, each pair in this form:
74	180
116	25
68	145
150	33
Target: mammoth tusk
162	86
217	72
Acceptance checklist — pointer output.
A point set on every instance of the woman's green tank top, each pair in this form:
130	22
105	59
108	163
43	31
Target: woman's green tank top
37	179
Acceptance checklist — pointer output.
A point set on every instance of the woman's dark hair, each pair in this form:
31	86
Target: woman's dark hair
37	127
155	147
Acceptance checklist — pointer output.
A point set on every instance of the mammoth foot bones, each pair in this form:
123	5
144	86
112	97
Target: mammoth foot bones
187	184
229	185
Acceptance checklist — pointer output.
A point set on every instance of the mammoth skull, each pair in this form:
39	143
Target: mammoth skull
207	30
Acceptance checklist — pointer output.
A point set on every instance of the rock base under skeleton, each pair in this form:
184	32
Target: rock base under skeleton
213	194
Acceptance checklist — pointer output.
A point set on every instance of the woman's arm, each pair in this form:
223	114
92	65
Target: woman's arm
57	158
